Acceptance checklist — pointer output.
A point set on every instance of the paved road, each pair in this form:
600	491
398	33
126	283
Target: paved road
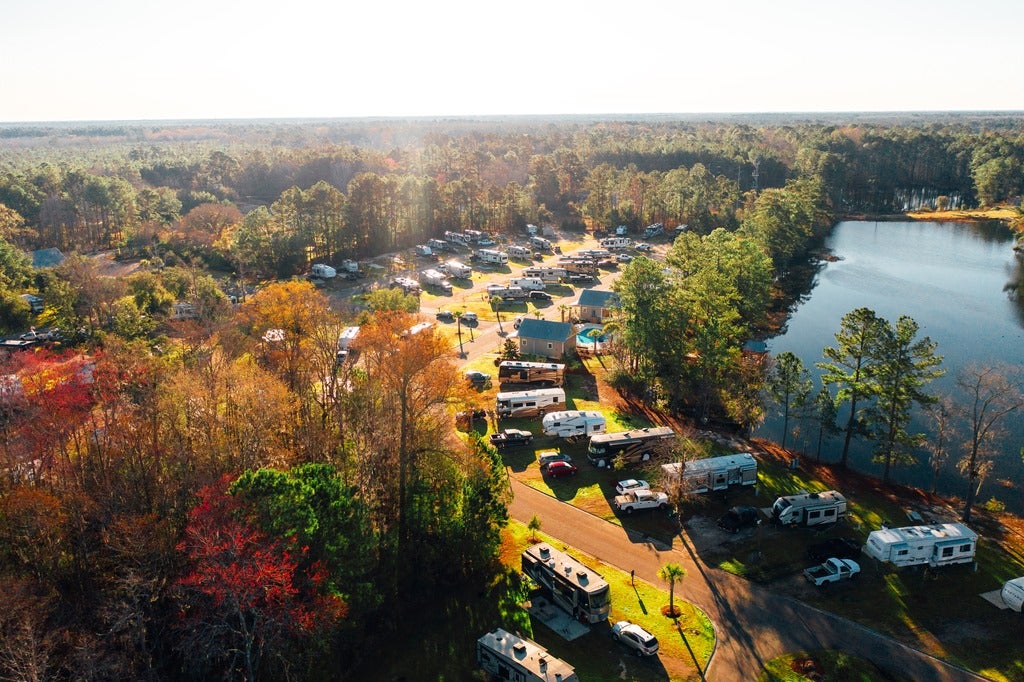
753	624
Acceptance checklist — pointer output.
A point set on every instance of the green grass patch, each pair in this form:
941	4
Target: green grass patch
834	666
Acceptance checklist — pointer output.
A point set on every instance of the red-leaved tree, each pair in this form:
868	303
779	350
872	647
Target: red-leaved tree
244	597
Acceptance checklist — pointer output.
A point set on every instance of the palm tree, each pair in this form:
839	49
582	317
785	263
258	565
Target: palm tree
595	333
496	304
670	573
563	309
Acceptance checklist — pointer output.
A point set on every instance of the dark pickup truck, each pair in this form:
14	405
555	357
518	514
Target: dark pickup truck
841	548
511	437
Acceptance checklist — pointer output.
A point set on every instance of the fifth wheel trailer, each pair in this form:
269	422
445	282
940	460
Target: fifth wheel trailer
529	403
573	423
713	473
940	544
809	509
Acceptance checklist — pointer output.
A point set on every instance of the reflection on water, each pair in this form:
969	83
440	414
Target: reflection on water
957	281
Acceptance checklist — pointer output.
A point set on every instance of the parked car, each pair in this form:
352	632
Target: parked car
511	437
445	316
560	470
832	571
643	247
540	296
635	637
623	487
475	377
840	548
486	241
739	518
547	457
469	318
624	258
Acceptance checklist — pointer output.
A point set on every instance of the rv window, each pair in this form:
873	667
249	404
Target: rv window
965	548
947	552
902	552
830	512
813	514
529	404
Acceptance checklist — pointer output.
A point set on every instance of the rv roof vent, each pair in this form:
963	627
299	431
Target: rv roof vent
520	649
543	665
813	496
558	677
582	577
568	570
545	552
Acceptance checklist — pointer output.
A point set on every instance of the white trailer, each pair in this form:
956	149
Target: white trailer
616	242
422	250
529	403
457	269
540	243
323	271
436	278
437	245
940	544
349	265
573	423
1013	594
547	275
457	238
505	656
527	283
809	509
713	473
491	256
347	336
519	252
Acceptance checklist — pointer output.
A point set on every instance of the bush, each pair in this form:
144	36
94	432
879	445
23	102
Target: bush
995	506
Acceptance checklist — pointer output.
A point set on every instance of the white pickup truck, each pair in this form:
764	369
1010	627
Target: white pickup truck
640	499
832	571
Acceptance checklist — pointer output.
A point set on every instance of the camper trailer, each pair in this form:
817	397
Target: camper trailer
611	243
1013	594
527	283
540	243
529	403
456	238
578	266
457	269
491	256
322	271
518	372
547	275
436	278
638	445
941	544
437	245
504	656
809	509
573	423
713	473
519	252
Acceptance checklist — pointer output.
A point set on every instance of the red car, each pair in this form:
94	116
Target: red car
560	469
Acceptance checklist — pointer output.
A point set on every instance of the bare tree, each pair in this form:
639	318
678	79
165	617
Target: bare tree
943	432
992	392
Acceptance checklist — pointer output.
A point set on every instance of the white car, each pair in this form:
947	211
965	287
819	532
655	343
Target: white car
644	247
635	637
486	241
624	258
623	487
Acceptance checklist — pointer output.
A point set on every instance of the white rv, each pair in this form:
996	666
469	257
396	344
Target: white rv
457	269
456	238
616	242
548	374
527	283
529	403
713	473
809	509
1013	594
573	423
436	278
491	256
540	243
347	336
504	656
941	544
547	275
322	271
532	230
519	252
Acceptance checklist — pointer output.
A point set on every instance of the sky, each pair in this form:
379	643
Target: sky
86	60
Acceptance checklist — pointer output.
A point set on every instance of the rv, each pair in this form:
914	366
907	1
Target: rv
349	265
809	509
548	275
506	293
1013	594
529	403
573	423
527	283
532	230
473	235
941	544
492	256
437	245
638	445
504	656
347	336
322	271
540	243
653	230
406	284
713	473
520	252
578	266
422	250
519	372
457	269
616	242
436	278
456	238
596	254
572	586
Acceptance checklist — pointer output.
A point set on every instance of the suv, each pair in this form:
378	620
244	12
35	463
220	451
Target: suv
635	637
540	296
445	316
469	318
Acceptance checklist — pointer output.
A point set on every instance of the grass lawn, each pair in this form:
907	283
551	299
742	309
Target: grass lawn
834	666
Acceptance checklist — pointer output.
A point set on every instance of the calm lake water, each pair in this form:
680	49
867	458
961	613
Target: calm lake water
956	281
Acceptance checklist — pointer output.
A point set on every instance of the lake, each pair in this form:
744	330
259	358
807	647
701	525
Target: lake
956	280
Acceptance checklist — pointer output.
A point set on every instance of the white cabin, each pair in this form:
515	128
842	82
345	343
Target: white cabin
941	544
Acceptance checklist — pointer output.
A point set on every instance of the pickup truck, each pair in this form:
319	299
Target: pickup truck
511	437
640	499
832	571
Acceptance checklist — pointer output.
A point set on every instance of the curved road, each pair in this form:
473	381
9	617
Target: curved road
753	624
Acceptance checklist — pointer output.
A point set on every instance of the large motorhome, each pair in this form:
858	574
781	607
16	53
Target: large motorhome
347	336
638	445
548	275
941	544
504	656
809	509
519	372
713	473
573	423
529	403
492	256
572	586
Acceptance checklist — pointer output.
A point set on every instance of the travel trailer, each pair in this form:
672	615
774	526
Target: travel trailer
616	242
519	252
406	284
347	336
941	544
519	372
422	250
436	278
578	266
573	423
713	473
456	238
504	656
491	256
457	269
548	275
322	271
1013	594
437	245
809	509
529	403
540	243
527	283
638	445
